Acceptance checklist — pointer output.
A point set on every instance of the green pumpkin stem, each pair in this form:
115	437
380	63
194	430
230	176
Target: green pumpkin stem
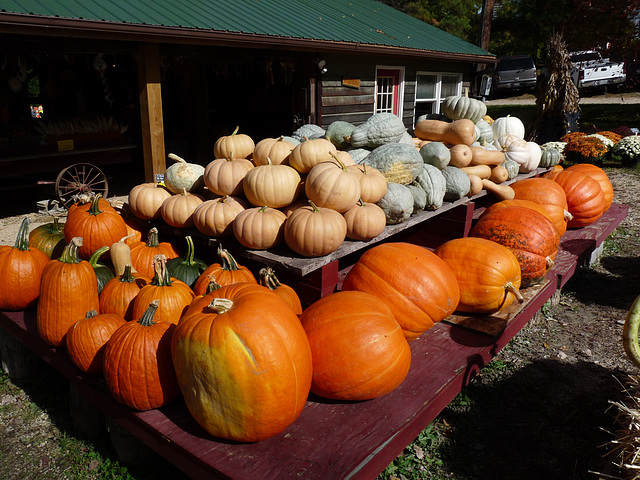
190	254
221	305
228	262
90	314
268	278
22	239
127	276
152	238
316	209
213	284
161	277
146	320
96	256
340	162
94	209
70	252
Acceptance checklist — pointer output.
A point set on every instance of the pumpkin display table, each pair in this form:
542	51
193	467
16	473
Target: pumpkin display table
333	439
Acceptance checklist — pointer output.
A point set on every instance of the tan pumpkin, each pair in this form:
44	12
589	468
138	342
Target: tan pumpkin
277	150
345	157
310	153
373	184
458	131
223	176
313	231
146	199
259	228
365	221
178	209
333	185
215	217
237	145
272	185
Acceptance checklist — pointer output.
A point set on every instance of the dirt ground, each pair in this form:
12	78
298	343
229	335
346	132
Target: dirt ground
548	416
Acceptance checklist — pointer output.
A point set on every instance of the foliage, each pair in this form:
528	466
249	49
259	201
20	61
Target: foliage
627	149
585	149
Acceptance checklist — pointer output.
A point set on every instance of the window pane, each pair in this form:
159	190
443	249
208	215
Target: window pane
424	108
384	100
449	85
426	86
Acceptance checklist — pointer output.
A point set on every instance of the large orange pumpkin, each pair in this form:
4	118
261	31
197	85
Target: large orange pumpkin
545	193
415	283
21	270
585	198
98	227
359	351
137	363
243	363
68	290
600	176
488	273
528	234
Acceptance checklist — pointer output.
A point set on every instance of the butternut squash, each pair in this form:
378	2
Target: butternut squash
456	132
476	185
482	171
499	174
483	156
121	256
461	155
501	192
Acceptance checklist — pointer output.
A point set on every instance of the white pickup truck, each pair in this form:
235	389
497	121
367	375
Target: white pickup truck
591	70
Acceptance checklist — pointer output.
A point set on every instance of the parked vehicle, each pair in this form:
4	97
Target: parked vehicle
590	70
515	72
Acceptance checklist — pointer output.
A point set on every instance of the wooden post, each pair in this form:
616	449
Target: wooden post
151	112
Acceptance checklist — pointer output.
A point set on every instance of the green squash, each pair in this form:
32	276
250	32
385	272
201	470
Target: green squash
358	154
338	133
379	129
513	168
484	132
457	183
183	175
398	162
187	268
103	273
397	203
436	154
419	197
308	132
550	157
434	184
457	107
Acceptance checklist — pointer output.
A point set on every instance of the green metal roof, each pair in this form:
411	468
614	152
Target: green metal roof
351	22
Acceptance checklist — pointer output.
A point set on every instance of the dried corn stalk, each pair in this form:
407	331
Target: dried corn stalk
558	96
626	447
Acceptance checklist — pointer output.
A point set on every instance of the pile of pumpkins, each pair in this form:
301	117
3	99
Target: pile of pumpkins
319	187
239	348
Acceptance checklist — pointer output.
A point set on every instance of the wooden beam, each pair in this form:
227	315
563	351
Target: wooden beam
151	112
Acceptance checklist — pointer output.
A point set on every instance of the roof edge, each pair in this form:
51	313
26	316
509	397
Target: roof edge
13	23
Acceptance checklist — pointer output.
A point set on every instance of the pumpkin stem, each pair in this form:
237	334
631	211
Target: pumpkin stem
152	238
227	260
314	206
550	262
91	313
147	317
236	130
340	162
567	216
127	274
93	261
176	158
189	255
221	305
161	277
70	252
213	284
22	239
94	209
268	278
511	288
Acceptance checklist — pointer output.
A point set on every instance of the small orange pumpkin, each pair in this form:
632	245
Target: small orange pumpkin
227	272
142	253
268	279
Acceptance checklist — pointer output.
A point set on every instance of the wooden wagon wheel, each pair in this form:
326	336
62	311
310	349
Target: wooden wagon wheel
80	178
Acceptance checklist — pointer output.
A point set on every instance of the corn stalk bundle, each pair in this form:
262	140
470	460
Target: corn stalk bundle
626	446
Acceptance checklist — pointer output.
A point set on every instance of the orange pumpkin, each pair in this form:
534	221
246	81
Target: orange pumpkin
545	193
215	352
68	290
227	272
267	278
313	231
86	339
528	234
137	365
142	253
585	198
359	351
600	176
488	273
415	283
21	270
118	294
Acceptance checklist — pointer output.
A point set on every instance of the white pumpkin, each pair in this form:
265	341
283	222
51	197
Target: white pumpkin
508	126
514	148
535	154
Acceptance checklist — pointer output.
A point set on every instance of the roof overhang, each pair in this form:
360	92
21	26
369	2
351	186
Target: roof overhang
20	24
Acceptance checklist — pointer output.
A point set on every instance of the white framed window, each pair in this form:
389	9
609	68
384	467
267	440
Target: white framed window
432	88
389	90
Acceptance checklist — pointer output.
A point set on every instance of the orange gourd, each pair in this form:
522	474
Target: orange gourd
585	198
216	350
545	192
528	234
21	270
359	351
488	273
415	283
600	176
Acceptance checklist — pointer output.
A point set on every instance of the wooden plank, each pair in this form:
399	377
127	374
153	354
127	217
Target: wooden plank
151	112
349	100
